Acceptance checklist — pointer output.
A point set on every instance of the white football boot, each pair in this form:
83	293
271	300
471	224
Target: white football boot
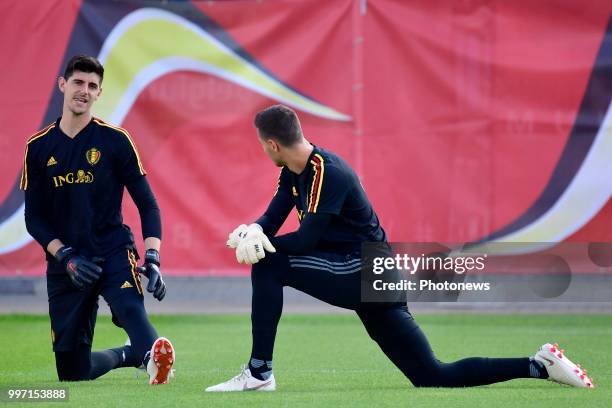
561	369
160	362
244	382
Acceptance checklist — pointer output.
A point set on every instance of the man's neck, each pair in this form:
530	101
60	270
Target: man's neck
298	158
72	124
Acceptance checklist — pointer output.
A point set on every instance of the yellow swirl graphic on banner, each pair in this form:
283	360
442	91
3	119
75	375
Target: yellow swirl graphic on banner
149	43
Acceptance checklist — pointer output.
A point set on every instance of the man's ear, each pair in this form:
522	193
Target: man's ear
273	144
61	84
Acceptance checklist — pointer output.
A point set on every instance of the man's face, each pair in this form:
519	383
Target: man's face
272	149
80	91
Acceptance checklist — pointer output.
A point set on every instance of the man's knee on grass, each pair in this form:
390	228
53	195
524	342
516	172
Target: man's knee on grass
74	365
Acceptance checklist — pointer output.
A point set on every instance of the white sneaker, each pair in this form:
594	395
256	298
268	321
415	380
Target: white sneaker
561	369
160	362
245	382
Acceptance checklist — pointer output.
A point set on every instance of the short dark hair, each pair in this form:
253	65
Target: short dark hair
280	123
84	63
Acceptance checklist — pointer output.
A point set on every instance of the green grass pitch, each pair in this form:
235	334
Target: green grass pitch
320	360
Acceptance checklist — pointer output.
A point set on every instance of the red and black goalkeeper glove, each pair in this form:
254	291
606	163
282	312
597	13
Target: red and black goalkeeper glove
82	272
150	269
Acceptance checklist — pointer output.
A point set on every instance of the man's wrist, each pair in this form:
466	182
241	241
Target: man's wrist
63	254
152	256
256	226
53	246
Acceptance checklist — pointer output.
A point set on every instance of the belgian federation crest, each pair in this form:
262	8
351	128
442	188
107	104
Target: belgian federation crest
93	156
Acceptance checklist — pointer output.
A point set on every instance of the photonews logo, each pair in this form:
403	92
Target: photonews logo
81	177
509	272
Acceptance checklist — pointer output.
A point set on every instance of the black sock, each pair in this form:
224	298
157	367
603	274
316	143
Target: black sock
537	369
103	361
132	316
260	369
128	356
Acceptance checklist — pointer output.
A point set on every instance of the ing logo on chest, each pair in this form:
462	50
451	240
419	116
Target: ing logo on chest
81	177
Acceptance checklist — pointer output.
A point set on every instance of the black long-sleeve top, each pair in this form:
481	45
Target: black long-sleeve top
333	209
74	188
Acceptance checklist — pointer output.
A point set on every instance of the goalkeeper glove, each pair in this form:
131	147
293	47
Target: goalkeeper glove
82	272
251	248
150	269
240	233
236	236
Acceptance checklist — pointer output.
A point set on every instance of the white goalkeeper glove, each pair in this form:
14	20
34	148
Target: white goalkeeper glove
253	246
237	235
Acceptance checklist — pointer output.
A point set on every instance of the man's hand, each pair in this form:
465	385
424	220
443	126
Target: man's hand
251	248
82	272
150	269
236	236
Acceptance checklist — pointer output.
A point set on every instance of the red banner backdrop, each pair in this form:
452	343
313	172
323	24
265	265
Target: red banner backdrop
467	120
